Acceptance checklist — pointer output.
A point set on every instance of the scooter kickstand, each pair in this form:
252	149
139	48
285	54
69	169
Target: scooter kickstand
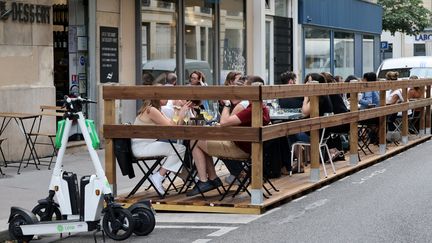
103	235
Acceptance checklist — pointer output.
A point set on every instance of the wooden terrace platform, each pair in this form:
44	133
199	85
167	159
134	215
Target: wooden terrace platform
289	187
257	134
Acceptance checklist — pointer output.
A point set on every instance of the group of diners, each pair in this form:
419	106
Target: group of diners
203	151
237	113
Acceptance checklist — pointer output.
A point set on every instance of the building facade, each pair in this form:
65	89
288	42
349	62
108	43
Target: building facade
401	45
77	46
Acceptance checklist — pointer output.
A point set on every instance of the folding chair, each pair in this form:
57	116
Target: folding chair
413	119
146	175
125	158
243	180
322	144
46	111
2	154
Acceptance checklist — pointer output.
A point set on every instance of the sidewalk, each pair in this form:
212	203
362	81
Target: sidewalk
26	189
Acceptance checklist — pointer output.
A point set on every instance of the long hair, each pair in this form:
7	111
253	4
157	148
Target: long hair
231	77
147	104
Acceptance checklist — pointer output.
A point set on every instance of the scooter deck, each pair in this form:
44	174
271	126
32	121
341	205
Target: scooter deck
59	226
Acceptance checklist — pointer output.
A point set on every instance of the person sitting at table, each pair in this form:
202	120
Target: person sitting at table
288	78
234	78
392	97
369	98
336	99
346	96
415	92
325	104
206	149
150	114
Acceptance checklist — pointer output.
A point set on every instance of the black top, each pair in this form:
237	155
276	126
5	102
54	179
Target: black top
325	105
291	103
338	104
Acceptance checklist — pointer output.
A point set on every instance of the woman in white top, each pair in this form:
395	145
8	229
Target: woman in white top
150	114
393	96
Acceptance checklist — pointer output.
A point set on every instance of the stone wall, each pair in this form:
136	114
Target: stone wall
26	74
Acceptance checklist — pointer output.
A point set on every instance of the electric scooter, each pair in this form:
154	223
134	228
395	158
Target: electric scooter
79	209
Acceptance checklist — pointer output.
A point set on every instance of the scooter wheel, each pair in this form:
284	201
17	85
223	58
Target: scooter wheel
15	231
144	221
42	212
118	224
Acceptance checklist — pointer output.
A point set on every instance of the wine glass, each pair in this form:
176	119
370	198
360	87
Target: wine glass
208	116
176	117
186	117
216	111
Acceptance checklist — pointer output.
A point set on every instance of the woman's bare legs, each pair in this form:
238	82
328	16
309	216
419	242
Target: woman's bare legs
203	161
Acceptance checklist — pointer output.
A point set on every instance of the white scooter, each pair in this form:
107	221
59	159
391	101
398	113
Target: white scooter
80	209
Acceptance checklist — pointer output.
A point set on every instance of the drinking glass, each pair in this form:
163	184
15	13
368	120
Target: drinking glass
186	117
175	117
208	116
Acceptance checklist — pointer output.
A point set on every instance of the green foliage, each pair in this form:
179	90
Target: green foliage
406	16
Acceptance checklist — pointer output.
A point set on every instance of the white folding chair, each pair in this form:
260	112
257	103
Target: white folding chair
322	144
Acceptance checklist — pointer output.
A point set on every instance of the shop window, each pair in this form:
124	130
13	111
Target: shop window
158	37
145	3
343	54
419	49
232	37
388	53
281	8
368	53
317	50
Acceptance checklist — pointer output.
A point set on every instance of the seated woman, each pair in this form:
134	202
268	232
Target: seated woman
369	98
393	97
205	150
150	114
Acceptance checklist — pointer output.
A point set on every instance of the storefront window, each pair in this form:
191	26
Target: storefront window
232	37
343	54
368	53
281	8
419	49
158	38
317	50
199	36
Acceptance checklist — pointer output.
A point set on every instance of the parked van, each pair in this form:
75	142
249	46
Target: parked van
420	66
160	66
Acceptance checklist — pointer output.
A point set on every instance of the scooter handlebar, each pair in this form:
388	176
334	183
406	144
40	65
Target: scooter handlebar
78	99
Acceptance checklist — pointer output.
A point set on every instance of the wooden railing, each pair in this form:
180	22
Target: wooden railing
258	133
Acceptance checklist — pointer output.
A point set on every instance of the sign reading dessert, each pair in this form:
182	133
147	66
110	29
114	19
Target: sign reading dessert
25	12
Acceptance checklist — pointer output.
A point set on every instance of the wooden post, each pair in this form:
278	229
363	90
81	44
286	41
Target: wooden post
428	111
405	118
422	116
353	131
314	141
257	156
382	124
110	163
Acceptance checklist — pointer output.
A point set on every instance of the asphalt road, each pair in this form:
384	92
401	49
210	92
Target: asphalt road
387	202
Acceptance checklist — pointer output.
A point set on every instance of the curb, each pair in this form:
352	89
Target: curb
4	235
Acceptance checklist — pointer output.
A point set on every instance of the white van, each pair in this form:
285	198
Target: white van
420	66
161	66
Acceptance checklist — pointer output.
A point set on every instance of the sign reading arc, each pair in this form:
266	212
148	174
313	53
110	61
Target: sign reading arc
25	13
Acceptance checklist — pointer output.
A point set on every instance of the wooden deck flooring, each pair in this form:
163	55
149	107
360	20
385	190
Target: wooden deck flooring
289	187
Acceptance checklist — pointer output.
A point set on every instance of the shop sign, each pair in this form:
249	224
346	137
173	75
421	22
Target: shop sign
25	12
423	37
109	64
